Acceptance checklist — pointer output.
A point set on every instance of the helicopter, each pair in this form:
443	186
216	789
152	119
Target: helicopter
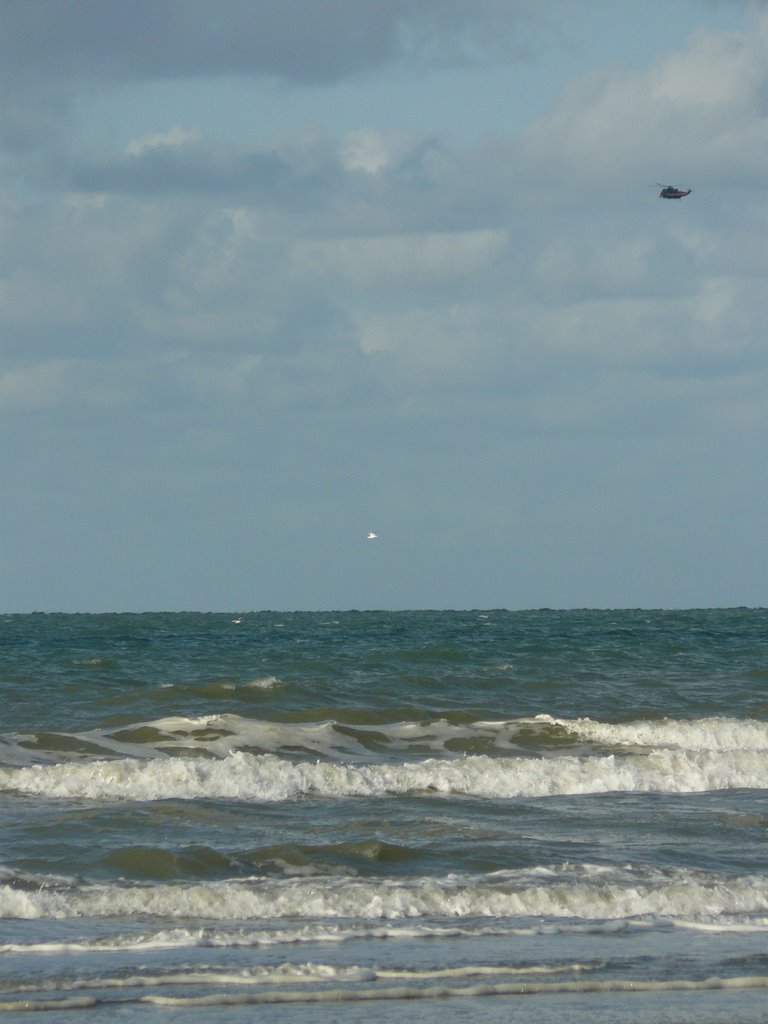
671	192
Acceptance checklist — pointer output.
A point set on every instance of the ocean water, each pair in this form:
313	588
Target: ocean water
422	816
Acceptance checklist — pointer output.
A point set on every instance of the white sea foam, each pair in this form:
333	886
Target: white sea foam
520	988
294	934
294	974
716	733
586	893
264	683
287	973
410	992
224	734
249	777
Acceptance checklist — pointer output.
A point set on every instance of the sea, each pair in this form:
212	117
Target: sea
428	816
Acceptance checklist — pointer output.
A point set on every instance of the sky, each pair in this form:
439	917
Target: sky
278	273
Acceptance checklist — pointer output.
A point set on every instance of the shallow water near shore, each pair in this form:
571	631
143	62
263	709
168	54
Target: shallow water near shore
415	815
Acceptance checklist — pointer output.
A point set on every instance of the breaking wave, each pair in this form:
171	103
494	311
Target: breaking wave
266	777
587	892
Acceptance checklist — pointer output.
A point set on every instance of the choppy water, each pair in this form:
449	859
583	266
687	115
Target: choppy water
418	815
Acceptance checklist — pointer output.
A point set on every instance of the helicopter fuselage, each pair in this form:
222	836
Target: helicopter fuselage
673	193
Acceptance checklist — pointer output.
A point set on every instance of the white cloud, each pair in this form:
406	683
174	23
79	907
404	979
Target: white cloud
221	377
431	345
696	112
717	72
366	151
177	135
569	266
64	384
384	262
33	387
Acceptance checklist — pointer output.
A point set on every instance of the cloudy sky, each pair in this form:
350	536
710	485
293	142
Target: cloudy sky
276	273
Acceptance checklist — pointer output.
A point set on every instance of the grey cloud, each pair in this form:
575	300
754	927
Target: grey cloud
86	43
175	170
53	51
308	178
107	40
197	246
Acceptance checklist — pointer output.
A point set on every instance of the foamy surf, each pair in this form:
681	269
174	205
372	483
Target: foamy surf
363	994
587	894
268	778
300	974
698	734
219	735
298	933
